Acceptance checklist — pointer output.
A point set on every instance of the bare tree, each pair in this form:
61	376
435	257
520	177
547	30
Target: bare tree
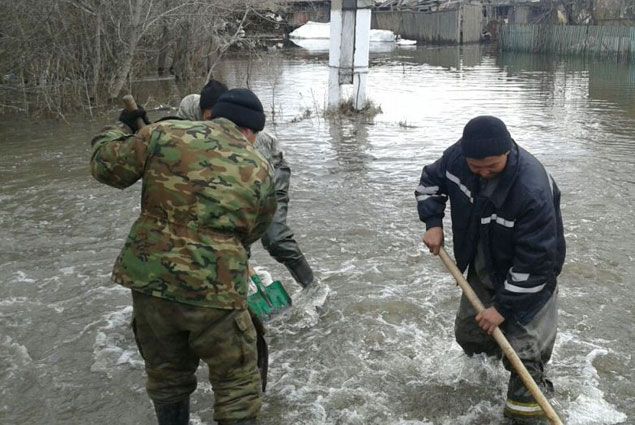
577	12
64	52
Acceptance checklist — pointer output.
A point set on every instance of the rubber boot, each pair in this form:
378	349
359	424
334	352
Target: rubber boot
521	408
301	271
251	421
177	413
529	420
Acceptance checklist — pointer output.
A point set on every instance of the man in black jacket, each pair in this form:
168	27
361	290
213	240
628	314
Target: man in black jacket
507	232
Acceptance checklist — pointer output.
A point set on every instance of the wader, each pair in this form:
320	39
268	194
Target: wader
532	342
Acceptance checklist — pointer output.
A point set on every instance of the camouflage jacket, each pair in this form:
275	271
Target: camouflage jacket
267	145
207	195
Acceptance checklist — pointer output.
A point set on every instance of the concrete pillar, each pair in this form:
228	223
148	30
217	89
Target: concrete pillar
360	57
349	49
335	45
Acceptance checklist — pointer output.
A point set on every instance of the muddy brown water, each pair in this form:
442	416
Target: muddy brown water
374	343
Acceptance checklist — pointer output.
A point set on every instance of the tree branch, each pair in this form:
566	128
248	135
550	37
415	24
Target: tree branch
222	49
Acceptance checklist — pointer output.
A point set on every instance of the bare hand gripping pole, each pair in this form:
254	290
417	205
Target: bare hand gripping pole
509	352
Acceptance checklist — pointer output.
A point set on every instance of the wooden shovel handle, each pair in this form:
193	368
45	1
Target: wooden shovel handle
131	105
505	346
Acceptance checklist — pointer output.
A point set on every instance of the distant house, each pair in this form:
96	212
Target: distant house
420	5
615	12
580	12
521	12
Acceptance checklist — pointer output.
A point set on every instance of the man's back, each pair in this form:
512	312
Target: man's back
203	175
207	195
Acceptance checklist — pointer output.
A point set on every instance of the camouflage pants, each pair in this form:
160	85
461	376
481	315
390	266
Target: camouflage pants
532	342
173	337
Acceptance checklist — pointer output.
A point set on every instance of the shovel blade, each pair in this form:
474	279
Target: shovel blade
274	300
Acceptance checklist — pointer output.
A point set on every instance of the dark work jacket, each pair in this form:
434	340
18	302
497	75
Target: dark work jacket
520	225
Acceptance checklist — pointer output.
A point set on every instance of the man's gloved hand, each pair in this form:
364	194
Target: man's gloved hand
301	271
130	118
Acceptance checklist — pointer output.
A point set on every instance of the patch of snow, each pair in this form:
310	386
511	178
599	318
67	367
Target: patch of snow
312	30
406	42
322	31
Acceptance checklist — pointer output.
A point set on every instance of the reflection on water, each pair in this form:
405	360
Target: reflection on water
350	142
382	350
603	81
450	58
316	45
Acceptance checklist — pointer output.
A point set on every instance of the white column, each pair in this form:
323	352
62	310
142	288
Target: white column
348	49
360	59
335	91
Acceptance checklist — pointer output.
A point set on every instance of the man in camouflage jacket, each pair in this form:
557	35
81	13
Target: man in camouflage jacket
207	195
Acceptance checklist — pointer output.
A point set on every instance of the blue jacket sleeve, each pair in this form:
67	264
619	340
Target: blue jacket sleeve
431	194
536	254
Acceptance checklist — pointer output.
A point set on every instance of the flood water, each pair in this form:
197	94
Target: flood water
373	344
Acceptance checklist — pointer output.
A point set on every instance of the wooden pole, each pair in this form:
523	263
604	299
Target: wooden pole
131	105
509	352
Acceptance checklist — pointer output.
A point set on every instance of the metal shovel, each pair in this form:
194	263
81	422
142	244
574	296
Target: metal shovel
267	300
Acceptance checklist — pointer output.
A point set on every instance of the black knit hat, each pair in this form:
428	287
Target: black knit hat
485	136
210	94
242	107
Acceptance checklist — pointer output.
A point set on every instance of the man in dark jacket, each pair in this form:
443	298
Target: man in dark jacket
507	232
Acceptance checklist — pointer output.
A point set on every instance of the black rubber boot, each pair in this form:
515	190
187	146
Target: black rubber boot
173	413
521	420
520	407
251	421
301	271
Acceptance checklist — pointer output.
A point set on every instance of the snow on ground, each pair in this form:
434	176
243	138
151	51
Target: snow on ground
321	31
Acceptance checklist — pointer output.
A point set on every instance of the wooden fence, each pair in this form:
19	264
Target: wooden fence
472	23
461	25
602	41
